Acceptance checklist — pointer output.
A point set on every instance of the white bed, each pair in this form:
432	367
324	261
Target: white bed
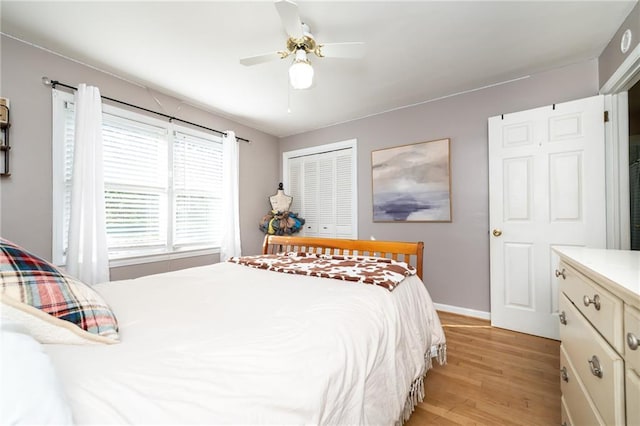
230	344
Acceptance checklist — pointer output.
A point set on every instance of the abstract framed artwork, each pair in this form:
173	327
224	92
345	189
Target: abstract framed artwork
412	183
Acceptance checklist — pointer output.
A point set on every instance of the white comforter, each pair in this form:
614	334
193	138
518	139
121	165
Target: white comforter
230	344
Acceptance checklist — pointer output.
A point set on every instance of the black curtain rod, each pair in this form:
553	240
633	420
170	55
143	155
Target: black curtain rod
55	83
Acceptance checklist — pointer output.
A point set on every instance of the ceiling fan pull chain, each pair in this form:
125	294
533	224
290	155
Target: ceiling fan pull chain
288	97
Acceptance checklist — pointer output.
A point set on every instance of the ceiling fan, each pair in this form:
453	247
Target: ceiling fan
300	44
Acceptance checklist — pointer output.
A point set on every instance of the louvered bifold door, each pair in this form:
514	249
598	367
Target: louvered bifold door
295	185
323	190
326	195
344	177
310	198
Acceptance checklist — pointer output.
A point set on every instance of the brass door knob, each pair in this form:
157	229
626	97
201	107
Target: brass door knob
497	232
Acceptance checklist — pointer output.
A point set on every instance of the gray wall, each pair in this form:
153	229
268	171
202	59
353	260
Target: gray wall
26	197
457	253
611	58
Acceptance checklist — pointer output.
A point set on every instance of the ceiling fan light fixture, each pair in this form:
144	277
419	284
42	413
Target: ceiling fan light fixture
301	71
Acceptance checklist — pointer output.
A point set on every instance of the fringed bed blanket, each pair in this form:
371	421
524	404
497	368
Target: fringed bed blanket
416	391
387	273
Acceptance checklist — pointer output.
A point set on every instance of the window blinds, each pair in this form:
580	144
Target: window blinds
136	183
197	177
162	187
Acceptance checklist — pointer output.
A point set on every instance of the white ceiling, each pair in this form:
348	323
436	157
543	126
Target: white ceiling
416	51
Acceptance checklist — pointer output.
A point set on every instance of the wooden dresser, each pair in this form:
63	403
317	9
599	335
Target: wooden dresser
599	313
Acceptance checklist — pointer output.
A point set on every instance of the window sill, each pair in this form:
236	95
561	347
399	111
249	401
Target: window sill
125	260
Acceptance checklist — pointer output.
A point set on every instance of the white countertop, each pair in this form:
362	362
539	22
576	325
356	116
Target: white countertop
619	269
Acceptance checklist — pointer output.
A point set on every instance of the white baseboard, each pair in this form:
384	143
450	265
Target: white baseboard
463	311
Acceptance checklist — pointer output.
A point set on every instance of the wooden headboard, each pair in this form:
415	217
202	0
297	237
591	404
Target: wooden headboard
410	253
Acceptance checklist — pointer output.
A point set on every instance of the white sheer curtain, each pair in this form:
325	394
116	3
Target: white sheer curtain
87	255
230	245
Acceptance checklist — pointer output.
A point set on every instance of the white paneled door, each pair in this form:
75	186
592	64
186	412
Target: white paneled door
546	188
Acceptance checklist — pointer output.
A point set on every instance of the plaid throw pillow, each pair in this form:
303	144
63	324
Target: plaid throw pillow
32	286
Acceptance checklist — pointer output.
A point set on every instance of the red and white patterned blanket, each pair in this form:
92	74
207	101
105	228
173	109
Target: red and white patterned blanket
387	273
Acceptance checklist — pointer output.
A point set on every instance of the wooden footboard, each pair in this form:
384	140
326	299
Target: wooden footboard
410	253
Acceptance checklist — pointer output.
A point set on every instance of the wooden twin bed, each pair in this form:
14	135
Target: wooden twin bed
408	252
232	344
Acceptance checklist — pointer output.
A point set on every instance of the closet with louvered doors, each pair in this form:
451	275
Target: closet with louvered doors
323	187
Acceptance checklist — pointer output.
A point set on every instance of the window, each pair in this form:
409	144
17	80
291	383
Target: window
162	183
322	182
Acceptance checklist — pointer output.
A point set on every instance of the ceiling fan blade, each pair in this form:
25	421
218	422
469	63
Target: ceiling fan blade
259	59
290	18
355	49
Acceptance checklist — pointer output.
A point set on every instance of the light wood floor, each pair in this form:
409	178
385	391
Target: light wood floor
493	376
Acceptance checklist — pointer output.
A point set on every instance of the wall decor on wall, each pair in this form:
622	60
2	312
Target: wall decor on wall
412	183
4	137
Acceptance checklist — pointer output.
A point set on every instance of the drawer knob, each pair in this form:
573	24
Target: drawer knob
594	365
596	301
561	274
632	341
563	374
563	318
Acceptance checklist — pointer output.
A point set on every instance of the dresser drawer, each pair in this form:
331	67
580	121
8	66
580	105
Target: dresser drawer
586	349
577	407
632	337
602	309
